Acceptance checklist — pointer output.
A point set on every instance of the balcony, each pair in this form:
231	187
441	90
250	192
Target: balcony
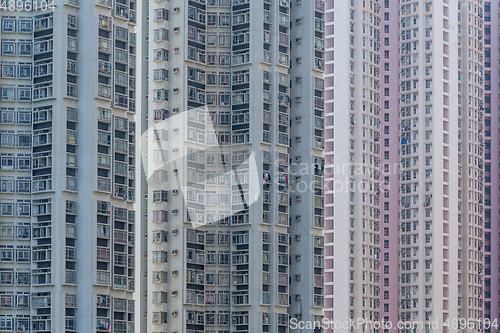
319	5
104	45
104	91
104	161
103	254
319	281
283	259
319	64
131	105
104	138
121	146
121	101
120	192
120	259
103	278
319	25
121	56
319	222
283	279
121	78
105	3
104	68
103	324
120	237
319	261
103	231
282	299
70	183
133	17
120	282
38	302
70	277
121	169
103	184
318	301
122	11
131	286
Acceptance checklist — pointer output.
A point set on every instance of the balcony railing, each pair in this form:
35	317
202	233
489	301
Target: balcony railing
120	282
282	299
103	278
122	11
104	184
104	91
106	3
120	236
121	101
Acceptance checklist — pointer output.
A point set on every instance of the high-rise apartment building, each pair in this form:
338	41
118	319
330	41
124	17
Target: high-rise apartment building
353	160
491	160
235	167
411	71
67	170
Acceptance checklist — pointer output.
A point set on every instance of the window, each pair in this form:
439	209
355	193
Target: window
8	47
8	24
160	14
25	24
8	93
24	47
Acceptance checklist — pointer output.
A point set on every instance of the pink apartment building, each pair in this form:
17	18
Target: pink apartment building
404	235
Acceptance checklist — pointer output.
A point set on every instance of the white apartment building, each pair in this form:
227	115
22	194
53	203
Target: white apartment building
431	177
236	107
67	169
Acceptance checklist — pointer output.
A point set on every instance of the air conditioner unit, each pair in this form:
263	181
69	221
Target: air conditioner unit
299	2
298	99
176	90
175	151
298	139
176	9
175	252
298	60
298	79
175	191
174	293
175	212
298	217
174	313
298	257
298	198
298	119
298	40
176	70
175	272
297	297
298	277
175	232
176	50
298	21
176	30
297	237
175	110
175	170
